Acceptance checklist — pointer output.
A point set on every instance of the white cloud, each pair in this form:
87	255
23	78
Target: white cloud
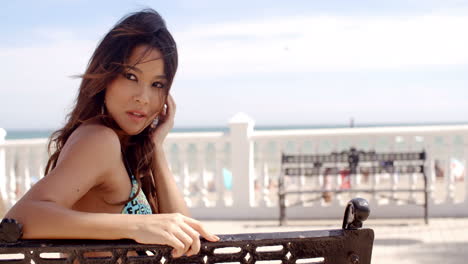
36	89
36	85
324	43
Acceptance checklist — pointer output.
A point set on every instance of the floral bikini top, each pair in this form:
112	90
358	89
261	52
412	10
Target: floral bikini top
139	204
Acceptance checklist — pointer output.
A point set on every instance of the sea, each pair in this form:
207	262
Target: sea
45	133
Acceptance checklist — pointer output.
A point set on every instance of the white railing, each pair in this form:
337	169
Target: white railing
234	175
22	163
446	146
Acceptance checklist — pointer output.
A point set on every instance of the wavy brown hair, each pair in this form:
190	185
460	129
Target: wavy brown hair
107	62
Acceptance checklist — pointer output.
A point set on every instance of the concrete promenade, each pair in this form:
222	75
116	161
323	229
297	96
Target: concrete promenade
403	241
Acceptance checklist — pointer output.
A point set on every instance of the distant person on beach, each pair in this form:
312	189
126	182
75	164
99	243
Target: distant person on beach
107	176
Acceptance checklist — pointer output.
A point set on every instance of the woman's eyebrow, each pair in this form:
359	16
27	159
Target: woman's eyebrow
163	76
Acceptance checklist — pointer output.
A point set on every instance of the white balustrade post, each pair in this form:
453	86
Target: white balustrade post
219	177
429	147
465	167
184	173
201	165
241	128
3	173
447	171
259	161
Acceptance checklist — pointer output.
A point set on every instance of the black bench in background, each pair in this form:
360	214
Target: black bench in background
352	162
351	244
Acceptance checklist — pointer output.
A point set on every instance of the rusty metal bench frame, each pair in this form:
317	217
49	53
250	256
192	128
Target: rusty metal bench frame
403	163
348	245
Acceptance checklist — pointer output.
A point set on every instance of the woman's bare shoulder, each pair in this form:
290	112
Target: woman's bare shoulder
100	138
87	159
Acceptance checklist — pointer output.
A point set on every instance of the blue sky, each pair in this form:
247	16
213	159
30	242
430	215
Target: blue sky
281	62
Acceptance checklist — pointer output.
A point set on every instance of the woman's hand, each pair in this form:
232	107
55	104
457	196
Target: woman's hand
165	122
175	230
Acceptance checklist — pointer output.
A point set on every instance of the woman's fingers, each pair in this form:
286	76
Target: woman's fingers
201	229
186	239
171	106
190	236
175	230
176	243
195	247
168	111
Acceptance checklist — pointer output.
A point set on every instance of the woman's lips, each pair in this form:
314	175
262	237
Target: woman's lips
136	116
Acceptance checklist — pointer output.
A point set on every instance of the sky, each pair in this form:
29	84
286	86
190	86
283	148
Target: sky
281	62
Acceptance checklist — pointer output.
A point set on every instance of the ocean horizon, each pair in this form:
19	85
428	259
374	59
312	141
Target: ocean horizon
45	133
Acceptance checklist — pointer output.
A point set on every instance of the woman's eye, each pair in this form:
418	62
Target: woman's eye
130	76
158	85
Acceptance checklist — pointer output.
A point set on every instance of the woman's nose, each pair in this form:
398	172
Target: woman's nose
142	95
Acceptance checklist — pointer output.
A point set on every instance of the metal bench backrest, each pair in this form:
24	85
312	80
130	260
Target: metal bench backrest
372	162
326	246
347	245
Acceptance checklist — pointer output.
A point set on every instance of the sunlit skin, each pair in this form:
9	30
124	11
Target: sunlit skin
77	198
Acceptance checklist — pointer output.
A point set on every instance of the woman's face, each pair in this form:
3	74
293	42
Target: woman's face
135	97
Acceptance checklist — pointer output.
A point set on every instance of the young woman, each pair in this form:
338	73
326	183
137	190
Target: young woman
107	177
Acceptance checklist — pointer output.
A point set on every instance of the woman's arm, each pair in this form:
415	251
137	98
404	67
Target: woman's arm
170	199
45	211
88	161
48	220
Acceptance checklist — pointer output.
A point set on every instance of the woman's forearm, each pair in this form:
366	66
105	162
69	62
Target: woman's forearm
170	199
44	219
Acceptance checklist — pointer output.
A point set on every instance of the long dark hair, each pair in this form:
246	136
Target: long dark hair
108	60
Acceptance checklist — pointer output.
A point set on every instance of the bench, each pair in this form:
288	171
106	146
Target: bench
347	164
351	244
